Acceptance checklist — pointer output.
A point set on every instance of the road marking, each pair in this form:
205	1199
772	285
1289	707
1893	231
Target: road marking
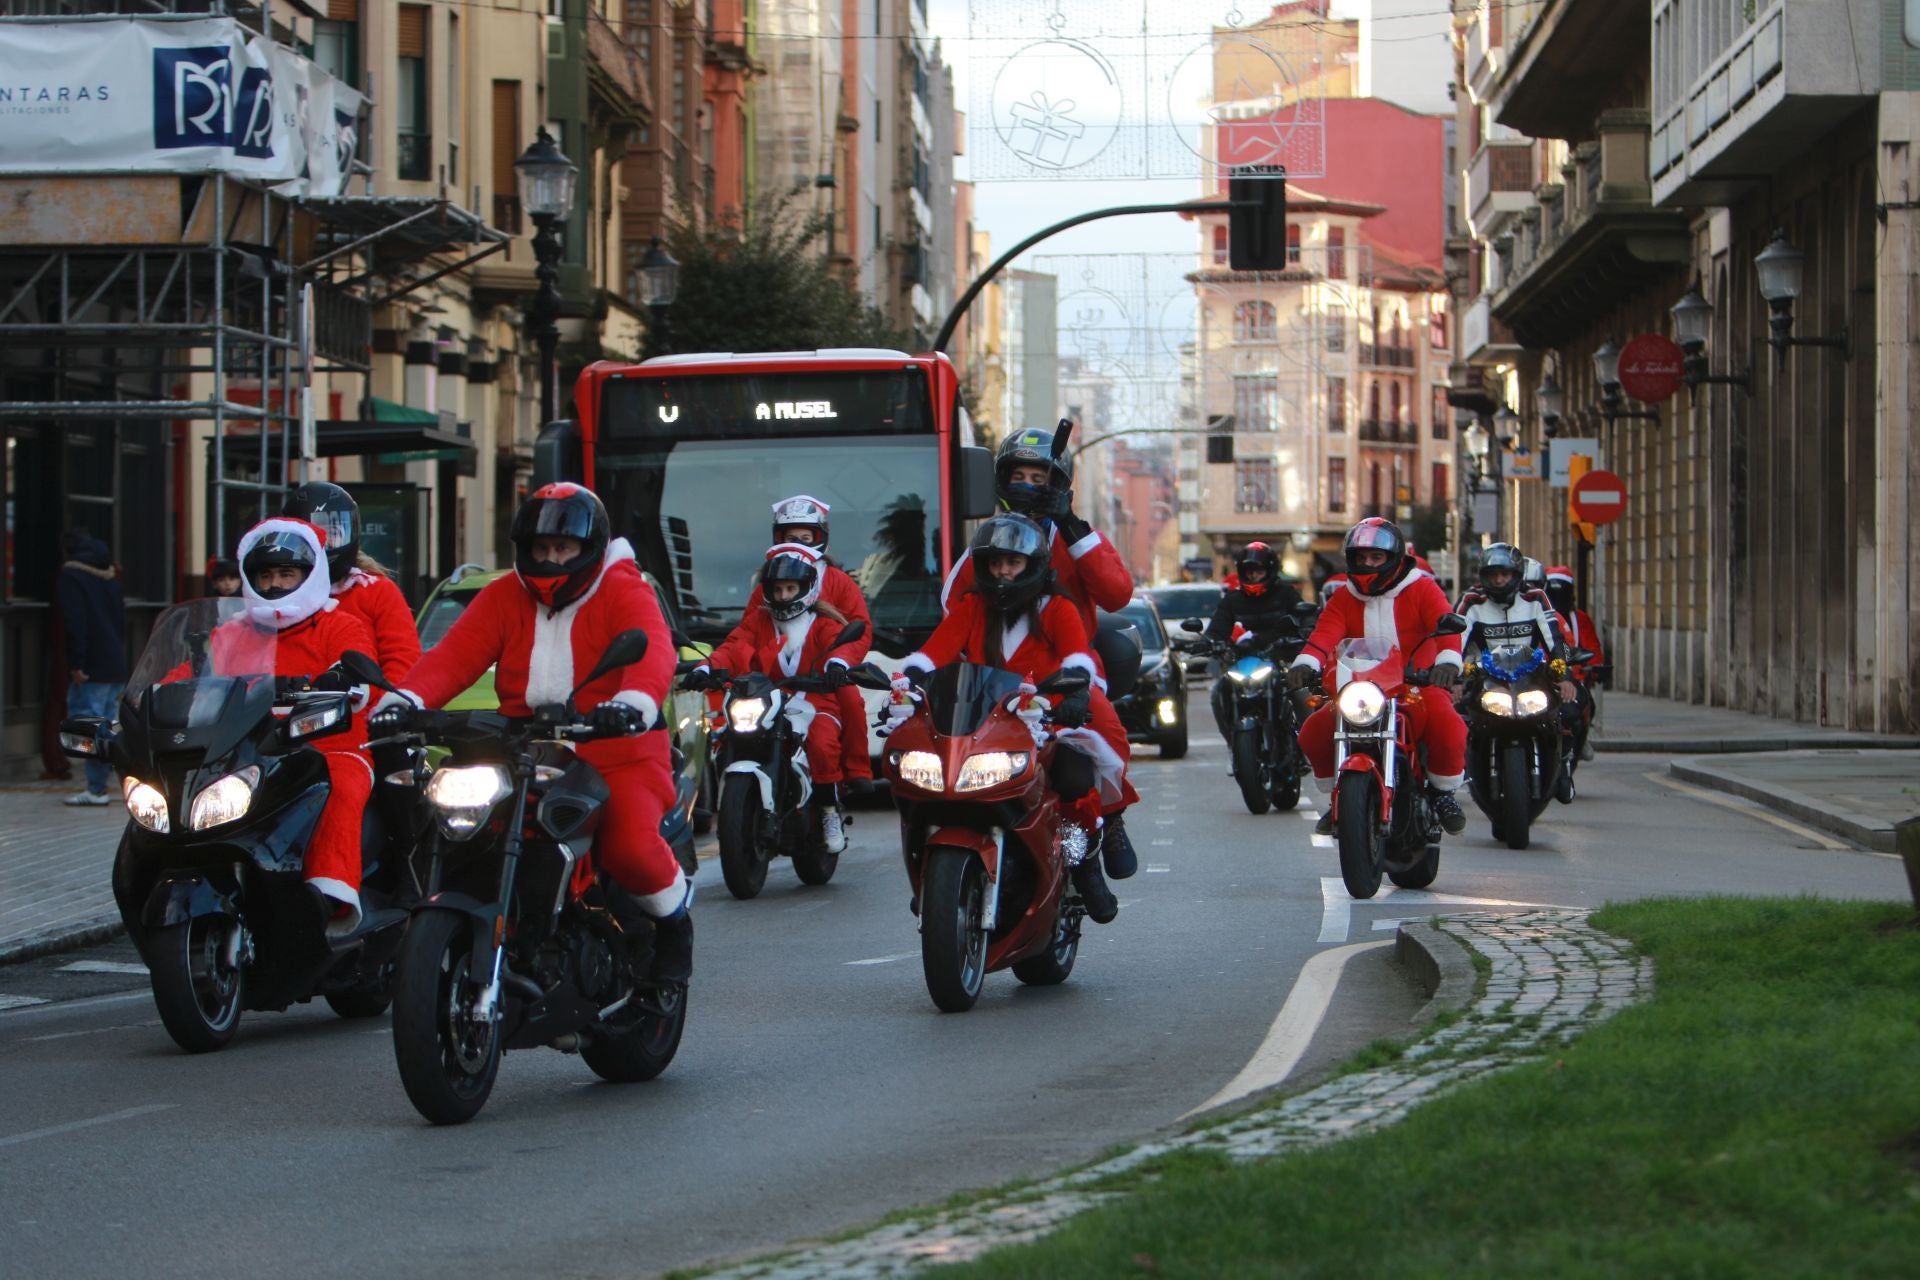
904	955
1753	810
1163	842
54	1130
1293	1027
1383	926
1158	868
1336	907
104	966
1336	904
19	1002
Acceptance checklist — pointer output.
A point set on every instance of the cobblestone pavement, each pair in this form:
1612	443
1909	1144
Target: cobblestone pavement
56	866
1552	976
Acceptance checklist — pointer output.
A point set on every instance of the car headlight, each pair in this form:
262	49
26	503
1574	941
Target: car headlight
465	796
1532	701
746	713
146	804
922	769
986	769
1497	702
1362	703
1169	711
226	800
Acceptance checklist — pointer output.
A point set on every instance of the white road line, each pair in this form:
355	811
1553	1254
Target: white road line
904	955
1383	926
104	966
1293	1027
1336	904
1157	868
1163	842
19	1002
57	1129
1752	810
1336	908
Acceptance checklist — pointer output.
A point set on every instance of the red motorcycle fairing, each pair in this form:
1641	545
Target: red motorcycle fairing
1361	762
968	838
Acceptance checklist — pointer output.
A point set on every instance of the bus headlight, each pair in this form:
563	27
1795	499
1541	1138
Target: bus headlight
463	797
922	769
226	800
1362	703
146	804
1497	702
745	713
988	769
1532	701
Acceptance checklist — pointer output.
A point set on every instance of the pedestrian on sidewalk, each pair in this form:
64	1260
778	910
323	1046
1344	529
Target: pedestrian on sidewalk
223	577
54	765
92	608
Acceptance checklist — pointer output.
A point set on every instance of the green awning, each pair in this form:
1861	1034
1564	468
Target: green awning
388	411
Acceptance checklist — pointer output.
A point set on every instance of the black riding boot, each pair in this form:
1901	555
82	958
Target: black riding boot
673	949
1116	850
1101	905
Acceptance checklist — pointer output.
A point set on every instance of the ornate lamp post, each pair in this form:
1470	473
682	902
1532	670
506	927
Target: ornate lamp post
659	281
547	180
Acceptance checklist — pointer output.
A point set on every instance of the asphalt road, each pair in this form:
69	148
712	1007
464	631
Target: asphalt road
817	1087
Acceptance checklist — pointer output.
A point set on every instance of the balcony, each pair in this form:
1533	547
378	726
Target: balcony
1499	184
616	72
1483	339
1386	357
1737	97
1403	435
1591	242
1573	60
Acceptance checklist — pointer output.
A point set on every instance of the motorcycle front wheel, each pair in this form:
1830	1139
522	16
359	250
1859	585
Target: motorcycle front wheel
953	946
813	862
197	993
643	1050
743	858
1250	772
1362	837
1516	794
447	1062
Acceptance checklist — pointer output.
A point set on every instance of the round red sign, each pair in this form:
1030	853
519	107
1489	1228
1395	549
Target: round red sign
1650	367
1599	497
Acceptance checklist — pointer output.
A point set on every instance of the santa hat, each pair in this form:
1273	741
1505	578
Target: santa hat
1560	573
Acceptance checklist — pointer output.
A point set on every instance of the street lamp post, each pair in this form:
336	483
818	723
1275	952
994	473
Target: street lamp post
547	181
660	280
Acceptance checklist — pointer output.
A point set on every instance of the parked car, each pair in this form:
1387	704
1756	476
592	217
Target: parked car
1182	600
1155	710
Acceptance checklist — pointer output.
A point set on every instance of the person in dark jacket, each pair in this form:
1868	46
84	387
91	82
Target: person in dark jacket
1256	602
94	612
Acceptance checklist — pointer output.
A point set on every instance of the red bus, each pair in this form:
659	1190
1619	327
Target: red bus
690	452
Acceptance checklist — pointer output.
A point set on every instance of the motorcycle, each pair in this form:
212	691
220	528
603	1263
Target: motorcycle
223	792
766	791
1267	763
986	844
1517	756
1383	819
520	941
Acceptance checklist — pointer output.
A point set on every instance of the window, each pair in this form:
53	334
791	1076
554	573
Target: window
506	149
453	99
1442	413
640	24
1437	326
1336	253
1253	321
1337	405
1336	485
1293	242
1393	398
1440	493
415	161
1256	485
336	41
1373	401
1219	246
1254	402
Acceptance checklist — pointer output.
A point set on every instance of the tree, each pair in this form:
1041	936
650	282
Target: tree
758	280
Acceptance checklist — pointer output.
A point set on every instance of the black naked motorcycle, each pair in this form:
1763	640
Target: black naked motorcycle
1262	727
519	941
223	793
1516	754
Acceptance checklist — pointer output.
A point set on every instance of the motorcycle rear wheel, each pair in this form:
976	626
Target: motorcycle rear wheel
1516	795
447	1066
743	860
645	1049
1250	771
1357	827
198	997
1053	966
953	946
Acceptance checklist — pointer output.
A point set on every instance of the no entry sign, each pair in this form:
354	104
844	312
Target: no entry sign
1650	367
1599	497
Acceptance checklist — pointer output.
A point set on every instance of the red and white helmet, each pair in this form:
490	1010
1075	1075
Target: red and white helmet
560	510
1375	534
800	512
791	562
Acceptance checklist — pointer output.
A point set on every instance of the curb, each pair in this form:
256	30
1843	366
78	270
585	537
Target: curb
1677	745
1878	836
1438	963
68	937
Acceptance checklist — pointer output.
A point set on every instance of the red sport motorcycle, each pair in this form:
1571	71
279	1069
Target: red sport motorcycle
988	844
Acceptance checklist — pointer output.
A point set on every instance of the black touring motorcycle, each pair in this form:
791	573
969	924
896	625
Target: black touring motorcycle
223	792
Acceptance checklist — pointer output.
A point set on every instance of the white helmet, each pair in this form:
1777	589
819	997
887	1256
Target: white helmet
284	542
800	511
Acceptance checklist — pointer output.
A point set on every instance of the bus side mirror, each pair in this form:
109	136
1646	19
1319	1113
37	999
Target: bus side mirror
556	454
976	490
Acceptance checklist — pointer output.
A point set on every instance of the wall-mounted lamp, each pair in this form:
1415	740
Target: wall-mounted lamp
1613	402
1552	401
1780	267
1692	327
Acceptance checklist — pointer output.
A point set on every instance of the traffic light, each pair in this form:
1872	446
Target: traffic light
1257	223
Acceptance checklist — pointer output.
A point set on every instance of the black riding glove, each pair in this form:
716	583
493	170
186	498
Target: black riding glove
835	676
1071	526
1444	677
1301	677
1073	711
616	720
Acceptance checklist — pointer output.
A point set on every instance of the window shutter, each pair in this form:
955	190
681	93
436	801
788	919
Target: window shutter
343	10
413	31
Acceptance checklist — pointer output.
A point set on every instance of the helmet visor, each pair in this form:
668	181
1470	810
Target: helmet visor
559	518
789	569
1016	536
280	548
1374	537
335	526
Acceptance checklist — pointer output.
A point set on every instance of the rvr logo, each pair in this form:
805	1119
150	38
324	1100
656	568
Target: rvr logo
196	104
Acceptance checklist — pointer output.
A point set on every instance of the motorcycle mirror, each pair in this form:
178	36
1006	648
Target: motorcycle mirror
1192	626
1065	680
1451	624
1305	610
849	633
364	670
680	640
623	650
1581	655
869	676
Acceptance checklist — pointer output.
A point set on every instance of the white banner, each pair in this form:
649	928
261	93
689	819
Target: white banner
204	96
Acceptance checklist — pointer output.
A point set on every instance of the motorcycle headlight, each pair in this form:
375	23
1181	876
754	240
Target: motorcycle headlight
226	800
922	769
746	713
146	804
463	797
1362	703
1496	702
987	769
1532	701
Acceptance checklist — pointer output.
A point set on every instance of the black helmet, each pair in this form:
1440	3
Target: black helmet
1018	535
1502	556
791	562
278	549
1375	534
1032	448
1257	555
334	512
1560	589
568	511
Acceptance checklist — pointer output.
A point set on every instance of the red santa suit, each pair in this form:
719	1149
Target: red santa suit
1060	641
376	600
799	646
1404	615
313	631
839	590
537	654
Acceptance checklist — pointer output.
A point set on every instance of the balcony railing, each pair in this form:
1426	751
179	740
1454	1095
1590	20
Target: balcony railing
1601	178
1386	431
619	60
1386	357
1500	182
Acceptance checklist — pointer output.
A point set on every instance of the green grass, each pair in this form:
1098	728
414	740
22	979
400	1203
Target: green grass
1760	1116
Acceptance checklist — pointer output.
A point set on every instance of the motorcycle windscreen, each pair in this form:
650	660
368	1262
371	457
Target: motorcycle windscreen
1371	659
1510	662
962	696
204	678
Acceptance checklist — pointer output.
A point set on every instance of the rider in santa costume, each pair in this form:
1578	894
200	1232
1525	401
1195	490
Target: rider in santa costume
359	584
574	589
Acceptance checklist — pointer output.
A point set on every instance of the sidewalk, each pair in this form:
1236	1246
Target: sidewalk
1635	722
1857	795
56	865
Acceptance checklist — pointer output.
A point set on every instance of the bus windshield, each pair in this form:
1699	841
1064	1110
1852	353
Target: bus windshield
693	487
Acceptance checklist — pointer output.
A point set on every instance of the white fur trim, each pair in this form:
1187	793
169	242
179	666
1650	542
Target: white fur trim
309	598
946	588
1015	634
1109	770
1448	658
916	661
1308	661
640	702
842	663
356	577
1085	545
793	639
1446	782
550	664
667	901
339	891
1083	661
1323	785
